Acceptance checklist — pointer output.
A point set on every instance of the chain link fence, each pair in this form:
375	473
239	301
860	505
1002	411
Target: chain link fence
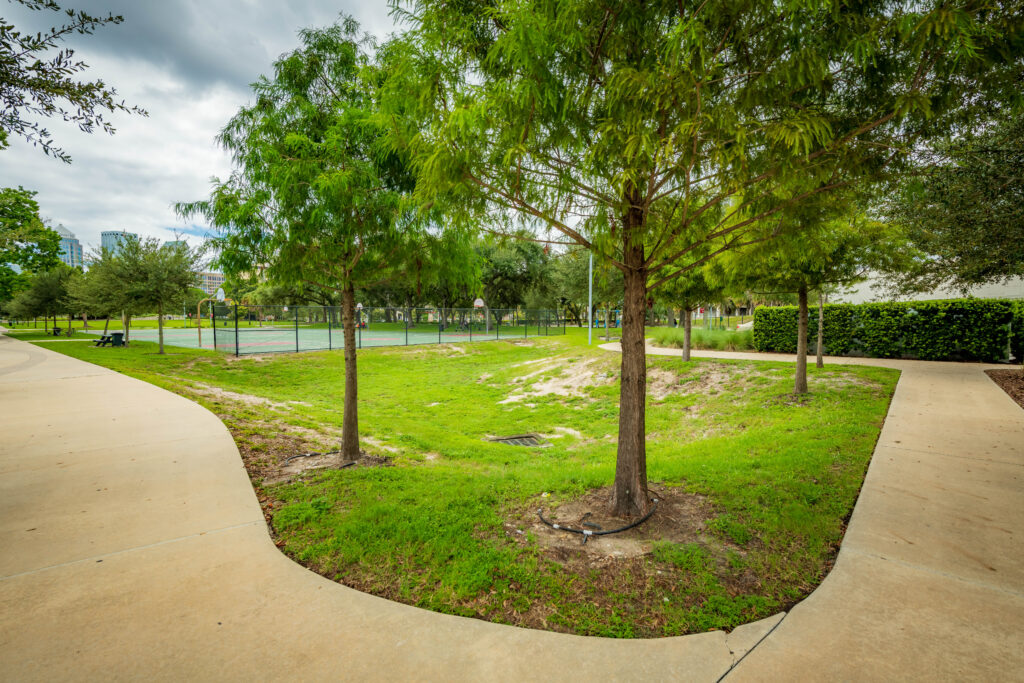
241	329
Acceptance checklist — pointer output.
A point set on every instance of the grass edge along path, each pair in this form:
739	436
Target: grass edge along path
762	483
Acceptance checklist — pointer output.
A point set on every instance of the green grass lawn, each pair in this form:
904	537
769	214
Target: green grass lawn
756	483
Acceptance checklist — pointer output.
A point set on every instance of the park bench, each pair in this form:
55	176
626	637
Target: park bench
103	340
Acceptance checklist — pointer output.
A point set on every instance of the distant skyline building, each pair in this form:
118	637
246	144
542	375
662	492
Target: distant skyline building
175	243
111	240
70	247
210	282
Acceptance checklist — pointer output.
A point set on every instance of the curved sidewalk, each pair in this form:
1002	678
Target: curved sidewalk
133	546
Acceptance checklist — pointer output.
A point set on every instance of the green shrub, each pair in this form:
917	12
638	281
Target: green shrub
718	340
954	329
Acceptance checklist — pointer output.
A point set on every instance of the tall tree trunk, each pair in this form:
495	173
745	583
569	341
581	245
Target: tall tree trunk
800	386
687	329
821	330
46	324
85	321
70	331
629	495
106	325
160	324
350	419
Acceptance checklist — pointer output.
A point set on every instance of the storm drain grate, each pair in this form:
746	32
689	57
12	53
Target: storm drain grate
532	440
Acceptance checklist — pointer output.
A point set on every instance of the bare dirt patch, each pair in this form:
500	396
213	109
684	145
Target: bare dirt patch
254	357
268	451
218	394
705	378
290	469
1010	381
558	377
840	380
680	517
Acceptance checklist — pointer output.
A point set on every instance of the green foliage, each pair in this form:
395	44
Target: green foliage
24	241
34	84
690	291
690	557
510	271
1017	340
317	198
619	125
716	340
964	210
660	134
728	526
46	294
957	329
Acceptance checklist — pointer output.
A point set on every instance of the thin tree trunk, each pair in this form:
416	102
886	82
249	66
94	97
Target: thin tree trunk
46	324
687	328
821	330
160	325
350	419
629	495
106	325
800	386
85	321
69	331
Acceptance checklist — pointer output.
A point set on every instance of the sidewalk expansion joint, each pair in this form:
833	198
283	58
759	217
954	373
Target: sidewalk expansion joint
96	558
752	648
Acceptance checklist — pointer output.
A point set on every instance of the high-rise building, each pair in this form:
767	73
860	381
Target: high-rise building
174	243
70	247
111	240
211	282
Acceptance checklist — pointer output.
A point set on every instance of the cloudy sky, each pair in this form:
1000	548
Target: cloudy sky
188	63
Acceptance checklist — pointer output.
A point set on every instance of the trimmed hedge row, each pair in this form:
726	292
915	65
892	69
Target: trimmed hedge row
954	329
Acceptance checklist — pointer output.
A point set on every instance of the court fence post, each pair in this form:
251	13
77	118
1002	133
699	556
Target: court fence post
440	325
296	329
236	330
327	318
405	314
213	323
359	327
497	326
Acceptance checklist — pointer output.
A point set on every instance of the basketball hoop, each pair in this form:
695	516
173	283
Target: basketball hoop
479	303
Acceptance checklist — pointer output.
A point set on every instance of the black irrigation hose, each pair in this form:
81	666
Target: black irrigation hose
313	455
587	533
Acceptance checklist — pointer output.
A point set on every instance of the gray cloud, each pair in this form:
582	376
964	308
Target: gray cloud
189	64
205	43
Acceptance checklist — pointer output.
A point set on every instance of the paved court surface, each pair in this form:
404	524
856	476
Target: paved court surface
284	338
133	546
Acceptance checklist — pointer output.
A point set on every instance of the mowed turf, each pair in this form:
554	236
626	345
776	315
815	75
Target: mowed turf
450	524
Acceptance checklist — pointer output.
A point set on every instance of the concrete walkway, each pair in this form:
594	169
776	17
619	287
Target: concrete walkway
133	546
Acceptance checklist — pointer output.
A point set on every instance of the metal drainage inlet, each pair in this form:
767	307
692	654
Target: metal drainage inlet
532	440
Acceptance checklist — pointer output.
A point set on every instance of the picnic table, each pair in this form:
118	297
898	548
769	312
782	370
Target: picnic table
112	339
